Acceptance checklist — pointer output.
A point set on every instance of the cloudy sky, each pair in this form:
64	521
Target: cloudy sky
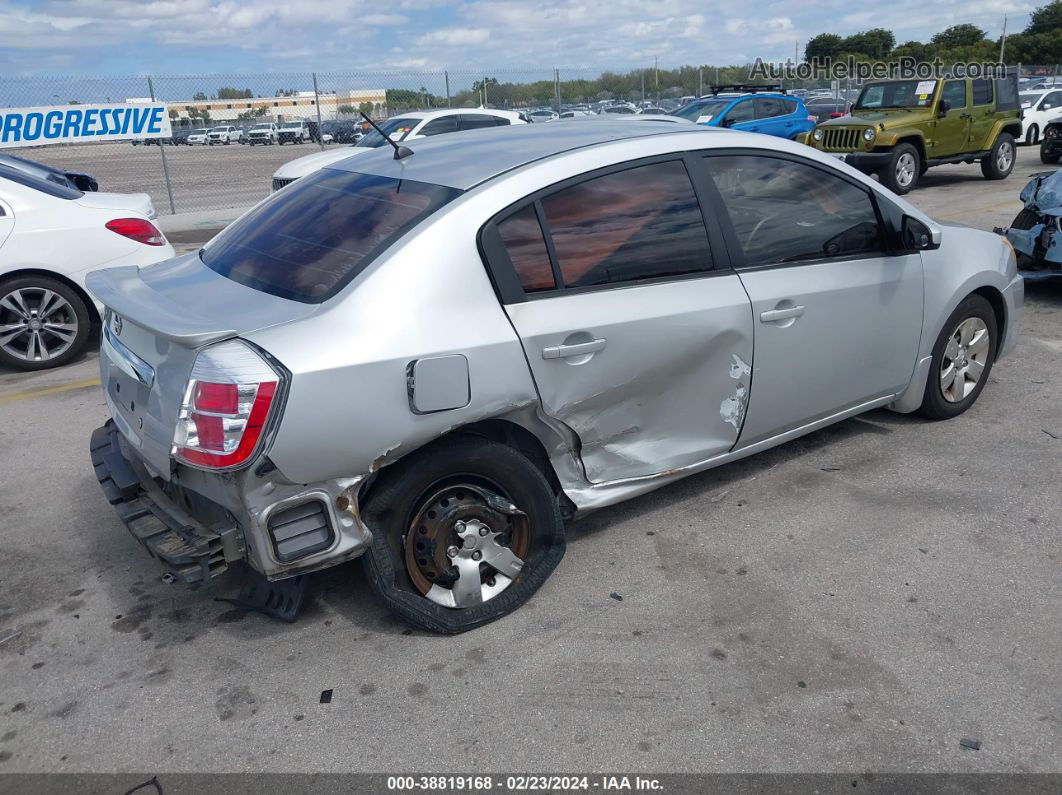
111	37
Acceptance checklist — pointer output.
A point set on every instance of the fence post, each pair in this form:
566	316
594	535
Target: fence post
556	88
700	83
446	74
317	104
162	151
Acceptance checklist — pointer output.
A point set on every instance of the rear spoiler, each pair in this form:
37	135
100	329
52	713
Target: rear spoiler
123	292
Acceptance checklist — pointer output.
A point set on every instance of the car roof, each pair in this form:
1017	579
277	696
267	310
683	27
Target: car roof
434	114
465	159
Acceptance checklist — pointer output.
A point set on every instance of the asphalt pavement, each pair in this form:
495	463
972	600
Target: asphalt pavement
861	599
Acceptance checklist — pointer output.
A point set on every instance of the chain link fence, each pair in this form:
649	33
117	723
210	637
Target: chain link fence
184	177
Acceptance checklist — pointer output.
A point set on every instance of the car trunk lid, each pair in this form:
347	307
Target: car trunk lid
157	320
119	202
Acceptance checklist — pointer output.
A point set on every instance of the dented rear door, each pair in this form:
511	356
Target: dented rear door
638	339
666	388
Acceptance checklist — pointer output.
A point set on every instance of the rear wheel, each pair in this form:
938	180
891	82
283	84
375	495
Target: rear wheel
999	162
902	171
43	323
1047	156
962	359
464	532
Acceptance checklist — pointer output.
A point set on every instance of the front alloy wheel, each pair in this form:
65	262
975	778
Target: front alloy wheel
43	323
965	359
464	532
900	174
962	359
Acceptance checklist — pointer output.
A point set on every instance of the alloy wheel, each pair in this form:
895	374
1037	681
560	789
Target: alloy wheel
1005	156
905	169
965	357
36	324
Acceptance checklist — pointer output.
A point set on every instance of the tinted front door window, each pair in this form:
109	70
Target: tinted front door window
741	112
784	211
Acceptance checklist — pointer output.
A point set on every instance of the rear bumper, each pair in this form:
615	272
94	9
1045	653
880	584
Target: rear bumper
189	551
279	528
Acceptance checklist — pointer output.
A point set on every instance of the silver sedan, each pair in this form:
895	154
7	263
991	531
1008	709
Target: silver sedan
433	357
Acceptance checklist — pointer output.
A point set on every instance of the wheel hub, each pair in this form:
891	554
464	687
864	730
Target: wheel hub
964	360
36	324
465	545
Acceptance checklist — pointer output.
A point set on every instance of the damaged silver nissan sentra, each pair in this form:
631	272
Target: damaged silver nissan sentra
433	359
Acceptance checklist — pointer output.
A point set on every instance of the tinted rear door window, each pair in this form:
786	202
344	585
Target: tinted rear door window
321	231
641	223
474	121
982	92
447	124
522	236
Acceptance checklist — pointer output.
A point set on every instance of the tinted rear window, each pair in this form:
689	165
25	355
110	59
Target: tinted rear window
310	239
52	188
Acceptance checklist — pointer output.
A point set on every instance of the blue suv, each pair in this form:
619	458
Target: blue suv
762	109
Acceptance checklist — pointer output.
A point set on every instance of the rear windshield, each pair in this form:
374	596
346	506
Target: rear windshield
310	239
60	191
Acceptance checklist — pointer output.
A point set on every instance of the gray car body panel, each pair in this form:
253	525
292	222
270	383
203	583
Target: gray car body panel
348	413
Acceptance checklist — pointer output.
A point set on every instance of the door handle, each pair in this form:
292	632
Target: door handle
578	349
771	315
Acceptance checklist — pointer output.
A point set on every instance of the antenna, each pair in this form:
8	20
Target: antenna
400	151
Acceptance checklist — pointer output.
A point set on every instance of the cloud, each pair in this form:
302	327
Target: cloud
250	36
455	37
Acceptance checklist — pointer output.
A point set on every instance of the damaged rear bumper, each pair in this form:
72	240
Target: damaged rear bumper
187	550
196	524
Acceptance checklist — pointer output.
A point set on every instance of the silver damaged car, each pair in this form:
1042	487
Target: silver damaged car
434	359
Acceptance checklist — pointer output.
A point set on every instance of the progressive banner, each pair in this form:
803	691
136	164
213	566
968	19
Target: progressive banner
65	124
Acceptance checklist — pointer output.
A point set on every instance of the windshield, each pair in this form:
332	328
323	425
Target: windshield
199	132
292	125
1028	100
899	94
397	129
261	127
307	241
706	109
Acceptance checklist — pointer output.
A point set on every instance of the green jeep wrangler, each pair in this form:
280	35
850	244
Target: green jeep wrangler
899	128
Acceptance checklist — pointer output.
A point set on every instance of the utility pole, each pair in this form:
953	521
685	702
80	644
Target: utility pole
643	85
1003	39
656	67
700	82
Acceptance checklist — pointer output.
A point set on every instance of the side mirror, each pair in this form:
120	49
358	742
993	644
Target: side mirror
943	108
916	236
727	123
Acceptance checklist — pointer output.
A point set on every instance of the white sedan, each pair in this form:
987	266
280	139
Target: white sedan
51	236
405	127
1038	109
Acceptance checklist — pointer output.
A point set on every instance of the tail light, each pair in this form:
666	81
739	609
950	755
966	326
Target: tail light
137	229
227	403
813	118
